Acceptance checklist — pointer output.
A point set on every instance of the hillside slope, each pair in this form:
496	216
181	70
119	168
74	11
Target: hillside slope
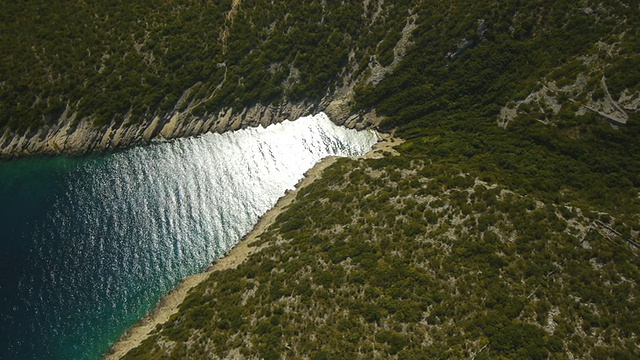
91	76
404	258
504	229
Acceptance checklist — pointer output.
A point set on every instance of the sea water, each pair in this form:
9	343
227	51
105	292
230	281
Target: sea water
89	244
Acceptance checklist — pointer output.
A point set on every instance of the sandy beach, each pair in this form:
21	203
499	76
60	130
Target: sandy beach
169	303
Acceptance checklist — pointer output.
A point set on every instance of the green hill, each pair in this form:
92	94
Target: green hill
412	259
481	239
112	61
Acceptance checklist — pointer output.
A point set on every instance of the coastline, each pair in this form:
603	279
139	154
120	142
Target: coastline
169	303
71	135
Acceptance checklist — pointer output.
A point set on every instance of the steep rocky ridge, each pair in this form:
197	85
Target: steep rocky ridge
72	136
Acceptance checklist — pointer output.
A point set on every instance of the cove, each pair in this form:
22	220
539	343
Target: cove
89	244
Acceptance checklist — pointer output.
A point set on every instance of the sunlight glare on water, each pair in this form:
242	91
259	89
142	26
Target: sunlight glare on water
90	244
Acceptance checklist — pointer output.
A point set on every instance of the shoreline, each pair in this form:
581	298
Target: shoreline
170	302
75	136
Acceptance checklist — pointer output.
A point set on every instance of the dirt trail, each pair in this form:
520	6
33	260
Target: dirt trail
229	19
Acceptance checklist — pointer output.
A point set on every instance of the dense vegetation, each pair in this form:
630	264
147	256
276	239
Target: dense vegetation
414	258
112	61
511	48
477	240
116	61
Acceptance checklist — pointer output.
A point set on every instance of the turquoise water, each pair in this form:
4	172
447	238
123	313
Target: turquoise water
89	244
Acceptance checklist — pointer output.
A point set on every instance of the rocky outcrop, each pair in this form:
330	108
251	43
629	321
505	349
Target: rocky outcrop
74	136
547	100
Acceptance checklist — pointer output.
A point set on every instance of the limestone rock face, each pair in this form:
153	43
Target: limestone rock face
74	136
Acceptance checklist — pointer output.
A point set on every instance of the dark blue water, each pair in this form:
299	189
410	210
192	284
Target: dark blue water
88	245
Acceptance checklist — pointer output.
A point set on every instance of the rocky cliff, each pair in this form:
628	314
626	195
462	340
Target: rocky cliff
74	136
